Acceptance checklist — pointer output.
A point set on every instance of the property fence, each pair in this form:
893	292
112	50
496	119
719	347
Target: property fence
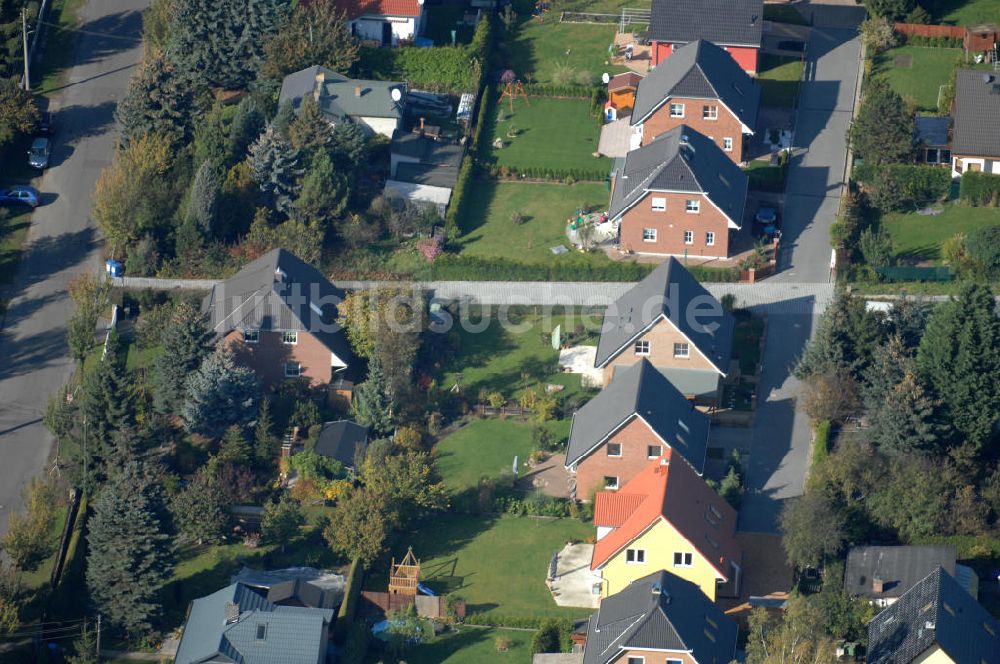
584	17
921	30
903	273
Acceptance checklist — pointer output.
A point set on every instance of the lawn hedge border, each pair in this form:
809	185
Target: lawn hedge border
348	607
979	188
456	267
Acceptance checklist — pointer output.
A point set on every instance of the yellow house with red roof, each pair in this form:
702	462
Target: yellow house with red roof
666	518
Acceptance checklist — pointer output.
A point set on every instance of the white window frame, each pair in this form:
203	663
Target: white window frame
649	235
654	456
688	237
658	203
615	456
290	337
709	238
251	336
611	486
298	371
636	659
682	350
710	112
727	144
687	559
638	556
676	109
692	206
642	348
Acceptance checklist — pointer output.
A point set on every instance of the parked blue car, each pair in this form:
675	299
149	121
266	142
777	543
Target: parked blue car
20	195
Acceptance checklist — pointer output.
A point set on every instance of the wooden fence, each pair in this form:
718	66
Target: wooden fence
921	30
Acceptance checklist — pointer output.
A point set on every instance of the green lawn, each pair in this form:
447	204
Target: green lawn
550	133
965	12
13	230
545	209
56	56
473	645
487	447
496	564
784	14
916	237
780	77
509	360
765	177
917	72
560	53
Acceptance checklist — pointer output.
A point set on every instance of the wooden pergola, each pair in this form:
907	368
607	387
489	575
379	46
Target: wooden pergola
404	575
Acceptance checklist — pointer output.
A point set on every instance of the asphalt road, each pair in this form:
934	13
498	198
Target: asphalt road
63	243
781	438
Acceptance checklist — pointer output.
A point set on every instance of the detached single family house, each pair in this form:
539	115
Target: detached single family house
934	622
279	315
239	624
735	25
660	619
670	320
666	518
679	195
375	105
423	170
882	574
700	87
632	421
385	21
975	142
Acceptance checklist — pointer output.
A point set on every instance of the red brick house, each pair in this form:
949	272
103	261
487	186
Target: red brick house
638	416
660	619
279	315
671	321
735	25
680	195
701	87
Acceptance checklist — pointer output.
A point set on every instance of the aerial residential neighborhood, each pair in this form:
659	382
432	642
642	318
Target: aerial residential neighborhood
500	331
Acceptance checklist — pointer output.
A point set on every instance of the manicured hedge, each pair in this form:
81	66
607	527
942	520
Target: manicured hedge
939	42
458	193
352	593
580	91
979	188
453	267
553	174
917	183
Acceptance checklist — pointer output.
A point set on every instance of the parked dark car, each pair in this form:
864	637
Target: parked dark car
20	195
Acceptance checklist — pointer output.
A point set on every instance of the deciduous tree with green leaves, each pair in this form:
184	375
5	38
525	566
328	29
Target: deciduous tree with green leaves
282	521
200	509
360	526
316	34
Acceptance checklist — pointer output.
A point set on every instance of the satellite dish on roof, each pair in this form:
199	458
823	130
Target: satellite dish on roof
606	78
396	94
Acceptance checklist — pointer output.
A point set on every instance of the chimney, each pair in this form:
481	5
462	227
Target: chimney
280	275
878	585
357	90
231	612
421	125
657	589
318	85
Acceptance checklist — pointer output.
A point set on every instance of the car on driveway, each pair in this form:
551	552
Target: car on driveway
767	216
20	195
38	155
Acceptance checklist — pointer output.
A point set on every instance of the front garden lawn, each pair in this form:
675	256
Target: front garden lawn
507	359
779	77
496	564
765	177
917	72
550	133
487	447
473	645
489	232
918	238
965	12
554	53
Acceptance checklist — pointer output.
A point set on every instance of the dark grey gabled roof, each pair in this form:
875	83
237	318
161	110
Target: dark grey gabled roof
338	99
669	293
640	390
279	291
937	610
897	567
701	70
977	107
660	612
724	22
681	160
930	130
340	440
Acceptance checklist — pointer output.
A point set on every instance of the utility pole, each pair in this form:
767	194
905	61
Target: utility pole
98	653
24	42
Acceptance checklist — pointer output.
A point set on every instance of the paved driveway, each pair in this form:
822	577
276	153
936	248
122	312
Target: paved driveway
62	242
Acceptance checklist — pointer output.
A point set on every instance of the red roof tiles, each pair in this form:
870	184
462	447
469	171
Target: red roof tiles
356	8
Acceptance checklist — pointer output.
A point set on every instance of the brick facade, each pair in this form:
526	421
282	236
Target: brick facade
747	57
268	356
670	226
656	657
725	126
661	338
634	439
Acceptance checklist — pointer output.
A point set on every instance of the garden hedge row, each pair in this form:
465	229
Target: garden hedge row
578	91
940	42
913	182
553	174
979	188
451	267
352	593
458	202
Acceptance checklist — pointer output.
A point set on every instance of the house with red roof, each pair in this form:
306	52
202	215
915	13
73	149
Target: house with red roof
384	21
666	518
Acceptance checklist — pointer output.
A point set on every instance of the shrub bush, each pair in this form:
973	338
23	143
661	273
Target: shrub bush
979	188
983	246
894	186
352	593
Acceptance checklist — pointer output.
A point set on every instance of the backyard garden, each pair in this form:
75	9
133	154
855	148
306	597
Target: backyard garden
917	73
